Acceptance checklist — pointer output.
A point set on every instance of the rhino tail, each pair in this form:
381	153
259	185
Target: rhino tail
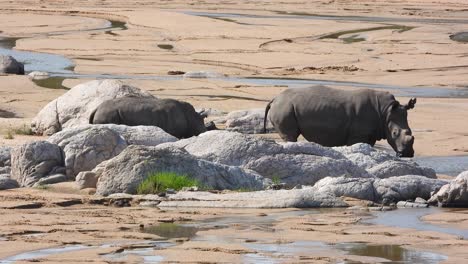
91	117
265	118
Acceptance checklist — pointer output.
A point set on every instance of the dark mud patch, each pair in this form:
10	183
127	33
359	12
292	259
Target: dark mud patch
7	114
460	37
165	46
172	230
356	37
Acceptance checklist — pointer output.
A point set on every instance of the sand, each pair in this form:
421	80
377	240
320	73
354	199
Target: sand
273	46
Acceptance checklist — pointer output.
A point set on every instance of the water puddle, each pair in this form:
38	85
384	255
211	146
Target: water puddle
41	253
7	114
448	165
460	37
411	218
51	83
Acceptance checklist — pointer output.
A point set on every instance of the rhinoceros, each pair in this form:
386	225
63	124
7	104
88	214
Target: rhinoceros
333	117
175	117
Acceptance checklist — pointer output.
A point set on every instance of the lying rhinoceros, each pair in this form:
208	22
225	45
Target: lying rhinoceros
334	117
175	117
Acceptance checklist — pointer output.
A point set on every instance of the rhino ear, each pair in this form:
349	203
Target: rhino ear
203	113
411	104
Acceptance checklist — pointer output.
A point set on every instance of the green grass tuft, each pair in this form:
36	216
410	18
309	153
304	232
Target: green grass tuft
9	135
161	181
25	130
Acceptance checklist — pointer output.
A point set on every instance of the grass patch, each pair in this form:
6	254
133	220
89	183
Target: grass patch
276	180
24	130
161	181
9	135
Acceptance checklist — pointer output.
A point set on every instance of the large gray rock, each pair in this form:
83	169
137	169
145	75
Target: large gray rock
5	156
381	164
33	161
8	64
393	189
126	171
75	106
299	198
455	193
247	121
292	163
87	146
7	183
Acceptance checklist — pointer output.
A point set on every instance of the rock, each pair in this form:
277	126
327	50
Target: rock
8	64
382	164
7	183
126	171
86	179
393	189
408	187
404	204
85	148
291	163
34	161
420	200
453	194
299	198
38	75
202	75
247	121
56	178
5	156
75	106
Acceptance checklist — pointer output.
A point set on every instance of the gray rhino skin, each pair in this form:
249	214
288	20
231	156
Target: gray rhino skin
175	117
333	117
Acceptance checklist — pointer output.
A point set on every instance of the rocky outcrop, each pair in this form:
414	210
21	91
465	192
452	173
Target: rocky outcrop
247	121
75	106
9	65
454	193
87	146
34	161
126	171
5	161
297	163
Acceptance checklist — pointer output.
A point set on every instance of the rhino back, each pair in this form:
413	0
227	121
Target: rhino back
332	117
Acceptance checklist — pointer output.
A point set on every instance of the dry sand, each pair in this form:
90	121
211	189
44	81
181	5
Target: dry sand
236	46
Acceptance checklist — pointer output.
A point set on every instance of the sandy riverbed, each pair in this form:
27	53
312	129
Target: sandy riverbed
262	44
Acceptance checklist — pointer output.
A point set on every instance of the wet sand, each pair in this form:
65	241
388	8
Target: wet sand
258	43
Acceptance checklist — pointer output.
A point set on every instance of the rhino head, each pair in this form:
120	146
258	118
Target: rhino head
398	133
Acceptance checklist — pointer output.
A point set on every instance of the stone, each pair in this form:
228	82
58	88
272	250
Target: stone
420	200
56	178
33	161
75	106
291	163
381	164
85	148
404	204
38	75
247	121
9	65
126	171
5	156
454	193
7	183
86	179
298	198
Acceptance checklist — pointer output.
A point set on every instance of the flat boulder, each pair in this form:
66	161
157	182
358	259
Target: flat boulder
126	171
454	193
7	183
33	161
382	164
10	65
75	106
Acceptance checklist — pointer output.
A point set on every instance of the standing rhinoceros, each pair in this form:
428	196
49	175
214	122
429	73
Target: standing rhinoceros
175	117
334	117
